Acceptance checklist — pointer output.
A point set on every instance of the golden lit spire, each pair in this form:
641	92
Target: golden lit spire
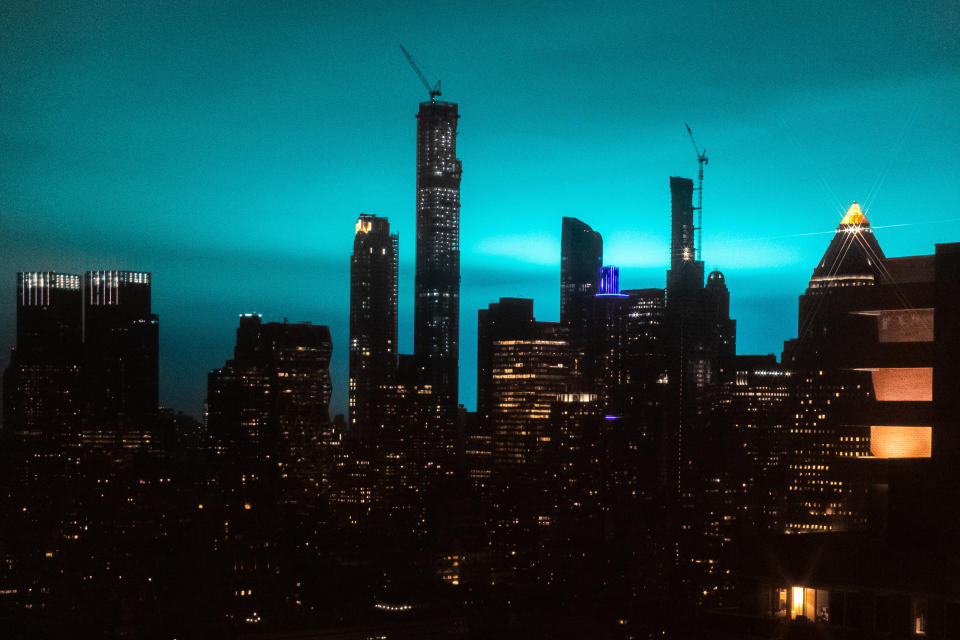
854	215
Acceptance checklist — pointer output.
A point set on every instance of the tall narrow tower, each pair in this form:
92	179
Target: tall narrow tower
436	338
373	323
686	272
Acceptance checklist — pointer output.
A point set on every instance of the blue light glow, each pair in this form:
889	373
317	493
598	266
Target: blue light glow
610	282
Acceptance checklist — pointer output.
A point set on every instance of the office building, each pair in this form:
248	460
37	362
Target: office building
508	318
528	373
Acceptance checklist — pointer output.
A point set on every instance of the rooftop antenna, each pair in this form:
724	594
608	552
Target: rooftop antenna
701	160
434	91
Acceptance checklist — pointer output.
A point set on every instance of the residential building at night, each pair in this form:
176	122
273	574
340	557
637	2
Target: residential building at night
436	339
373	324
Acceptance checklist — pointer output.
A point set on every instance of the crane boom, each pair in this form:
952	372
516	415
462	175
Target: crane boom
434	91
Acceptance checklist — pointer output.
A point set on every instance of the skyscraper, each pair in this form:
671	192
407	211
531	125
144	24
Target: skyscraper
581	256
121	344
41	384
436	338
373	323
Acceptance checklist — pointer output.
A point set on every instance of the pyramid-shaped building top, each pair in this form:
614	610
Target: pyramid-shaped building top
853	258
854	216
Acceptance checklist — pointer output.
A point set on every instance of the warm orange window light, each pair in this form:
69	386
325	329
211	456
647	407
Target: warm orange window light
797	604
903	384
900	442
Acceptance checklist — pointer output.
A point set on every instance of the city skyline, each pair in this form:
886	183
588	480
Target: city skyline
168	192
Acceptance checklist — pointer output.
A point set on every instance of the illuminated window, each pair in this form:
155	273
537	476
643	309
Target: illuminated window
920	616
812	604
900	442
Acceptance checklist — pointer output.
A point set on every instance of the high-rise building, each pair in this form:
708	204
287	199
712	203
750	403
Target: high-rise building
645	354
508	318
436	339
373	324
267	422
121	348
528	373
581	257
604	352
42	380
273	397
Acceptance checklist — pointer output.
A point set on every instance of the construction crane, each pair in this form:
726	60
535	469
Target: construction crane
434	91
701	160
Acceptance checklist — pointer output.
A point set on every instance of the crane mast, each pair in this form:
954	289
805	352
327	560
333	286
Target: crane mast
433	91
701	160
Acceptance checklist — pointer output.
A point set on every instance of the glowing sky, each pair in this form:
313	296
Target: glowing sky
229	147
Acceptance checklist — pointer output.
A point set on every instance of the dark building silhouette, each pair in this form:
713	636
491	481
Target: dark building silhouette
42	380
726	327
686	272
373	324
581	256
436	339
121	349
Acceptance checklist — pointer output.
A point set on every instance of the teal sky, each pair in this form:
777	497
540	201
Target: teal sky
228	147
